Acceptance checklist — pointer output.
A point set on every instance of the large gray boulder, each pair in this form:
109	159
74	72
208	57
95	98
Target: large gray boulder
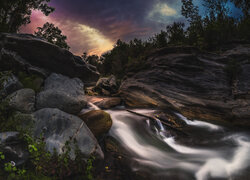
8	84
63	93
197	84
24	52
59	127
22	100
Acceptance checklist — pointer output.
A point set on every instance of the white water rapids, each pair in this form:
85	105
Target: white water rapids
223	154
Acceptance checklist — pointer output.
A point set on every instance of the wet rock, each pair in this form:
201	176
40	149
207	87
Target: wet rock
8	84
22	100
107	86
98	121
59	127
13	148
41	58
63	93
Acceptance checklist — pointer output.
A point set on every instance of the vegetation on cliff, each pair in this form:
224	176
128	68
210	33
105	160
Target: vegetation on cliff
207	32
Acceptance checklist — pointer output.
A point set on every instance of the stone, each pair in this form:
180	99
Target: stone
107	85
41	58
63	93
98	121
13	148
22	100
8	84
59	127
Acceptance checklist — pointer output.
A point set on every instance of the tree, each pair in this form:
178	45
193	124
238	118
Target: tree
15	13
52	34
190	11
195	30
160	40
176	33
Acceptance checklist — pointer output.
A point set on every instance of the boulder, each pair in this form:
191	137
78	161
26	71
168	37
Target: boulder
59	127
8	84
24	52
107	85
63	93
194	83
22	100
13	148
98	121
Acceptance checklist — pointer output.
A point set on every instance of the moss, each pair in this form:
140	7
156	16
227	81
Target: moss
30	81
98	121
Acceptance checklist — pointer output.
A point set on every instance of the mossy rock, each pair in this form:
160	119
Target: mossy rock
31	81
98	121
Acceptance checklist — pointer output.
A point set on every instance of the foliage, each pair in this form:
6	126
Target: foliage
52	34
30	81
47	166
15	13
176	33
89	168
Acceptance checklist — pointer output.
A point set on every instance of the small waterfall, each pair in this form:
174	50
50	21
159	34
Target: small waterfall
93	106
153	151
199	123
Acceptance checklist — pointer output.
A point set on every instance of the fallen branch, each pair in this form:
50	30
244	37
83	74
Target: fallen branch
155	119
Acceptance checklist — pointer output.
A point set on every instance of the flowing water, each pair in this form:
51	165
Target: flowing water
211	152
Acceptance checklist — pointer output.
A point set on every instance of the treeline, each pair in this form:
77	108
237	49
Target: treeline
209	32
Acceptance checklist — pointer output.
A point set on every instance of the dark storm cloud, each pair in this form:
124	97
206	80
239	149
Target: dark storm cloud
115	18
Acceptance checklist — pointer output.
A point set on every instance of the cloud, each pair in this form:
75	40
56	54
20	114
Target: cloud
163	9
80	37
95	25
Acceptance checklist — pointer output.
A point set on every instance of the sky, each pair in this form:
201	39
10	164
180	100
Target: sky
93	26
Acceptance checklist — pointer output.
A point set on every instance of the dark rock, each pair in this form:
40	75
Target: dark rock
8	84
31	54
107	86
22	100
13	148
63	93
59	127
193	83
98	121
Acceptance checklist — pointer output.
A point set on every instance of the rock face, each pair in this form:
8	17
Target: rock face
107	86
22	100
8	84
59	127
23	52
63	93
199	85
98	121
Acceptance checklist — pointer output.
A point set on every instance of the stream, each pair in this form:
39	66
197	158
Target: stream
210	152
